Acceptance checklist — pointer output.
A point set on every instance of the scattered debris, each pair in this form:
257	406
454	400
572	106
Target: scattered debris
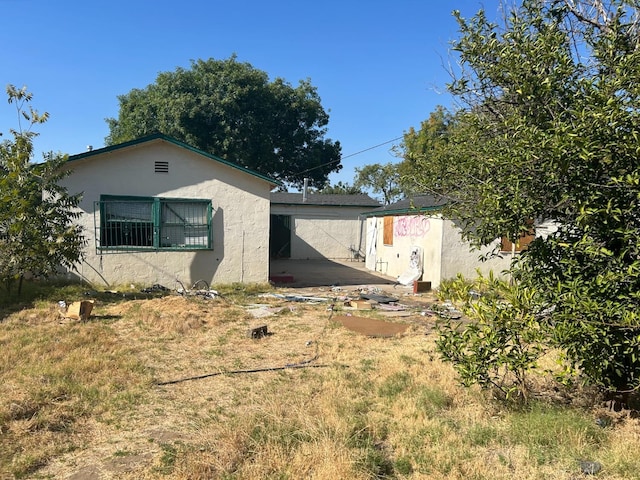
392	307
590	468
200	288
378	298
414	270
156	287
295	298
370	289
261	310
257	332
444	310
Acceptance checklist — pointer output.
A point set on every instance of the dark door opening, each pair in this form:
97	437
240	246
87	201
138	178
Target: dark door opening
280	236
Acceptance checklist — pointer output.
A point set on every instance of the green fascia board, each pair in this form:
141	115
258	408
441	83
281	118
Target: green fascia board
401	211
325	205
178	143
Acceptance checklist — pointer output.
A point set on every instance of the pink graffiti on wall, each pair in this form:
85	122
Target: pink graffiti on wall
412	226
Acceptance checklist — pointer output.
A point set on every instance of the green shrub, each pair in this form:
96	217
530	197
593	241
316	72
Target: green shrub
500	344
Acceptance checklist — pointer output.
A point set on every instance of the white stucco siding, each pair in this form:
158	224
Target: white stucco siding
240	221
444	253
324	231
459	258
410	230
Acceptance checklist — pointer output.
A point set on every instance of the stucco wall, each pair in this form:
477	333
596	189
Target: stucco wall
445	254
324	231
408	231
240	216
458	257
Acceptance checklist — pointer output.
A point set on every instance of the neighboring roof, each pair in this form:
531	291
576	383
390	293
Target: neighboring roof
178	143
411	205
333	200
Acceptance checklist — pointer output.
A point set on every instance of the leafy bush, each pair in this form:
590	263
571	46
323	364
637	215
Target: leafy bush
499	346
463	290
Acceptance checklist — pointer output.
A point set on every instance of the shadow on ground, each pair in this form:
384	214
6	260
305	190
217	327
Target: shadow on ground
322	273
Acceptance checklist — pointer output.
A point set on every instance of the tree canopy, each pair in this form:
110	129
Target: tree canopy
381	179
430	140
548	130
38	233
232	110
340	189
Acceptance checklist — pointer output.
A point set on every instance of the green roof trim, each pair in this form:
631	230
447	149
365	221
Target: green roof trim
400	211
178	143
408	206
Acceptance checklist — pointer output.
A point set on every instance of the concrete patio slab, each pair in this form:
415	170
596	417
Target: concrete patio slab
324	273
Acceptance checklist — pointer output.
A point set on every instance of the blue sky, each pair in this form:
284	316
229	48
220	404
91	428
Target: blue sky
379	66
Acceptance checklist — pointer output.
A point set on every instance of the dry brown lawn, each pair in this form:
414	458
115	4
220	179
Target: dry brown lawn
173	387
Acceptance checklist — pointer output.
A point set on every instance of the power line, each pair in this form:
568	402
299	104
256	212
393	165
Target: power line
370	148
350	155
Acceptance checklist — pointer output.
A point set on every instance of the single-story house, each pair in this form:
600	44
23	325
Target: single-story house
413	230
156	210
313	225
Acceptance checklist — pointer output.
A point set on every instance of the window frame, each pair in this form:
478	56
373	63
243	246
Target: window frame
520	245
387	230
156	224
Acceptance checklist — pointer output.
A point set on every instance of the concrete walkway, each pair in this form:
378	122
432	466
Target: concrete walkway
324	273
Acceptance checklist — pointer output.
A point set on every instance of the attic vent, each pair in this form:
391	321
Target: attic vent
162	167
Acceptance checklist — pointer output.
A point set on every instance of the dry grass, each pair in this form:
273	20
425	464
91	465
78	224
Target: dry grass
84	400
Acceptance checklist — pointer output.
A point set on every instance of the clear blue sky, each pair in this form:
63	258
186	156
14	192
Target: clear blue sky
379	66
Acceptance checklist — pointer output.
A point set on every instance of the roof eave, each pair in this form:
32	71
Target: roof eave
402	211
300	204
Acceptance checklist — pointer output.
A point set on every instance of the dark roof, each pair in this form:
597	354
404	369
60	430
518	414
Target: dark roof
409	205
166	138
334	200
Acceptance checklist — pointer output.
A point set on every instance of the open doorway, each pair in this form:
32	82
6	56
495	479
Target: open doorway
280	236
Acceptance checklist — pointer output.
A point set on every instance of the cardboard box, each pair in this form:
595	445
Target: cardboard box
361	304
79	310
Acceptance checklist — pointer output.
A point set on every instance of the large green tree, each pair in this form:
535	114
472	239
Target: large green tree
233	110
382	179
550	131
38	233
